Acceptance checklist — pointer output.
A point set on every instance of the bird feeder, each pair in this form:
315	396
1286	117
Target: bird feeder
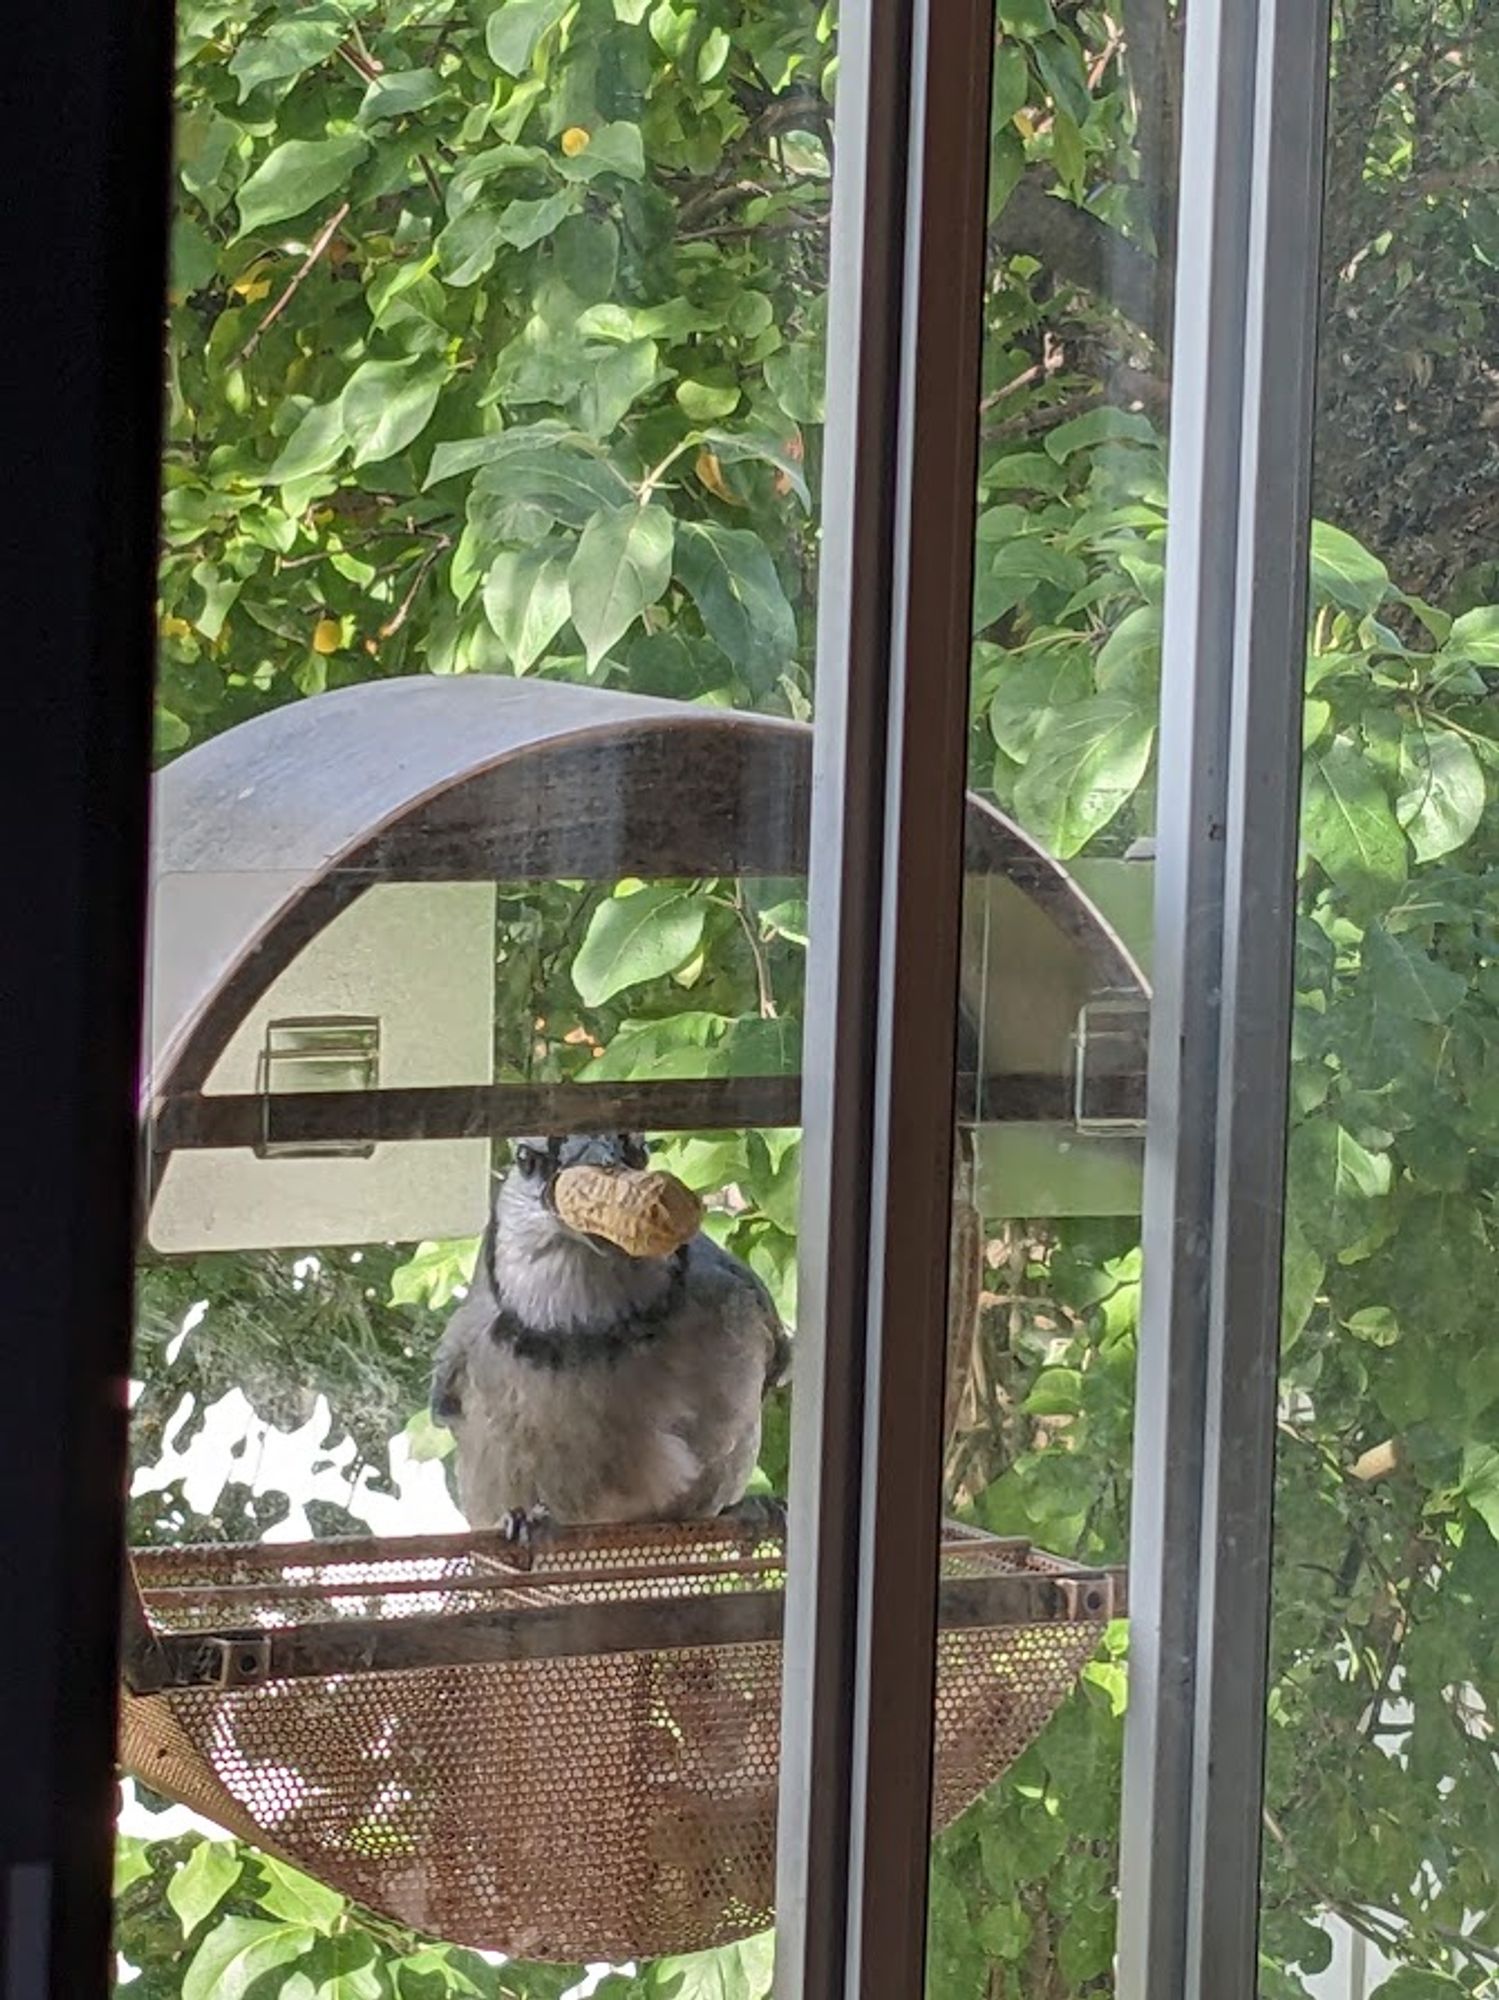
567	1753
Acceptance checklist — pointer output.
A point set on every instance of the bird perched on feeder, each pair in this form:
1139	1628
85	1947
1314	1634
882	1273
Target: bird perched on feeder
610	1361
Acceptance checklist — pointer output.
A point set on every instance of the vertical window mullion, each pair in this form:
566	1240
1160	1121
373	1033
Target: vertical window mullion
879	1056
1231	697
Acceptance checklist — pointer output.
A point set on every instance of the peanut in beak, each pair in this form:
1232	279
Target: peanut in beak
644	1213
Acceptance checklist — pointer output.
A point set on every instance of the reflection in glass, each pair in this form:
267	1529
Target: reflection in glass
1382	1848
1046	1257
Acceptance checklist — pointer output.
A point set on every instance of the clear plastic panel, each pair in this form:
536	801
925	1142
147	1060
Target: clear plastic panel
1056	957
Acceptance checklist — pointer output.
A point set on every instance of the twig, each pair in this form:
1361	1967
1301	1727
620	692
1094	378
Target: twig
320	243
429	175
393	625
361	64
803	224
757	953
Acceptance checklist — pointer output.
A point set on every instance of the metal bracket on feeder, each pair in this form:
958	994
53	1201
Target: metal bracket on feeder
239	1660
1109	1044
315	1052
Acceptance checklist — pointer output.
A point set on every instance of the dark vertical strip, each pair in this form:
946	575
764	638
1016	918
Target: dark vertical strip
888	801
84	128
1259	934
853	637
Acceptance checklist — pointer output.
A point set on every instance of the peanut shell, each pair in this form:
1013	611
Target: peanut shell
647	1214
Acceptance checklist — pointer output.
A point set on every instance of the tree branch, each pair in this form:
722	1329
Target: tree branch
1153	58
1082	250
319	244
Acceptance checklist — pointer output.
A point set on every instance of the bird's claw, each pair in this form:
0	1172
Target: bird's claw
524	1527
760	1514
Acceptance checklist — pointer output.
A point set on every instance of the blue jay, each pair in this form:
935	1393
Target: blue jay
584	1385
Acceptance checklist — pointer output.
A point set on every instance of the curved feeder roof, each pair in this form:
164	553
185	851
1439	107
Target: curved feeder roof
324	875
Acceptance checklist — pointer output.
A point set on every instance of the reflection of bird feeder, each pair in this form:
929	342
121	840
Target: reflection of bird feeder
322	970
320	1070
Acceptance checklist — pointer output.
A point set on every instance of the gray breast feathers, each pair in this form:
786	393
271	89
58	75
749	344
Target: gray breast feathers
651	1415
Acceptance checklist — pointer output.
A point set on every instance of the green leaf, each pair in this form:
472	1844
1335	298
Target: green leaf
1302	1272
1409	982
735	447
294	176
239	1951
203	1881
1333	1181
622	564
1027	18
526	222
1443	795
1474	637
296	1898
613	149
287	50
1375	1324
585	255
611	380
354	1982
703	401
1344	573
1011	86
1349	827
680	1045
713	54
1479	1484
317	443
435	1962
1056	1392
399	92
732	581
1412	1985
426	1441
1021	565
527	603
736	1972
1030	696
434	1273
386	405
570	486
1086	766
132	1863
1129	661
795	378
1105	425
516	27
194	256
635	938
466	249
169	732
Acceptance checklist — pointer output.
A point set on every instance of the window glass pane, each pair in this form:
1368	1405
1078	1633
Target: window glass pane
1046	1239
1381	1846
486	635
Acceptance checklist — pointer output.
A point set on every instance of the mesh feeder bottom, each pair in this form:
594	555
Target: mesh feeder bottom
571	1757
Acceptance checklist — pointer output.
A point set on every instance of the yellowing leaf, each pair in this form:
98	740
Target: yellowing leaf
574	141
711	474
327	636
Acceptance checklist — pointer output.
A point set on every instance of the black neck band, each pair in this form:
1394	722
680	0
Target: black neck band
588	1346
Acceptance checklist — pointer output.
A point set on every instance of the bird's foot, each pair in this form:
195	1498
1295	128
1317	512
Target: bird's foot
524	1528
761	1515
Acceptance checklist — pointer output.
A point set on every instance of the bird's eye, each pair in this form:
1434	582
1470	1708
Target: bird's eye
634	1152
528	1160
